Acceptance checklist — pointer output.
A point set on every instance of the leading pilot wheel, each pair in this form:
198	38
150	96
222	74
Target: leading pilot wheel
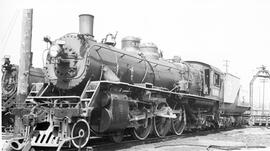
80	128
179	123
161	125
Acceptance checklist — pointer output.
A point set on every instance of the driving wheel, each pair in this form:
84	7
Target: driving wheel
179	123
161	124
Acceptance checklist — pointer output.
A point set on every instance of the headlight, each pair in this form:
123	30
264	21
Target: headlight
60	42
54	50
5	60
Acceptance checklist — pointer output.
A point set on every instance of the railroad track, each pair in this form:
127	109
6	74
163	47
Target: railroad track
101	144
106	144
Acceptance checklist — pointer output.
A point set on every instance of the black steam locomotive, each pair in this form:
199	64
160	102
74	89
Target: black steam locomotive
9	83
97	90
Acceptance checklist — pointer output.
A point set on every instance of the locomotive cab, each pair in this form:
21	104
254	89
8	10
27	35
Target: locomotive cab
212	79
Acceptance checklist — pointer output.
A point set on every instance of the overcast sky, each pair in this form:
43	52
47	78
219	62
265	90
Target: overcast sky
205	30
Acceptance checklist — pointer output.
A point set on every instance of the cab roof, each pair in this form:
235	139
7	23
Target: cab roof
206	65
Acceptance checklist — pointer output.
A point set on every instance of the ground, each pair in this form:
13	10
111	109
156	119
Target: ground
252	138
237	139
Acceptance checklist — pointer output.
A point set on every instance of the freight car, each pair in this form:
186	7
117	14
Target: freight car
9	89
97	90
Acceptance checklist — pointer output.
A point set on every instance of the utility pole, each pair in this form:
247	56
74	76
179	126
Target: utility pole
24	66
226	65
263	97
259	97
263	82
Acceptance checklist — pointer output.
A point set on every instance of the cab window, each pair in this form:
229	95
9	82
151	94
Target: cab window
216	79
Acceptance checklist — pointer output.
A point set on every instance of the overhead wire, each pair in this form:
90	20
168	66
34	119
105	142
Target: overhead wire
9	30
11	25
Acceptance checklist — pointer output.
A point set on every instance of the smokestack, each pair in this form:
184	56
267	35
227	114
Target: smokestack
86	24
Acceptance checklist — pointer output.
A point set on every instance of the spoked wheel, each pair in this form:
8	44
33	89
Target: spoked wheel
143	130
118	137
161	125
179	123
80	128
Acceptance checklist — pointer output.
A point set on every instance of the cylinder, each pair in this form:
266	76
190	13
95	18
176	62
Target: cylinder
86	24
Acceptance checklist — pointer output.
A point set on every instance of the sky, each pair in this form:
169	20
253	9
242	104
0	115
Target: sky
211	31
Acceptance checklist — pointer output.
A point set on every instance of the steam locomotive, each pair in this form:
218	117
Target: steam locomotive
97	90
9	83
